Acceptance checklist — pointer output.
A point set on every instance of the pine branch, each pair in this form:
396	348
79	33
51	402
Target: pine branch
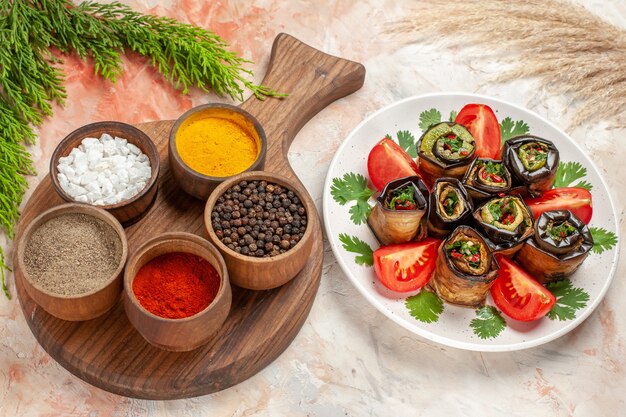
30	81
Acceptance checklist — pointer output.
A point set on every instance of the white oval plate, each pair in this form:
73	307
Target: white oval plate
452	327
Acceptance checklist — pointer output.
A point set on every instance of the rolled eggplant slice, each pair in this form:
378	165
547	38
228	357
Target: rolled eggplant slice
560	244
445	150
399	215
465	268
485	178
449	206
507	222
533	162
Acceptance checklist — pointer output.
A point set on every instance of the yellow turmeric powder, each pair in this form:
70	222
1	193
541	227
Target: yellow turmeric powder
216	146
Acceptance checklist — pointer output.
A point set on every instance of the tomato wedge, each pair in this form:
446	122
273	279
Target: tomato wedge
483	124
406	266
387	161
519	295
575	199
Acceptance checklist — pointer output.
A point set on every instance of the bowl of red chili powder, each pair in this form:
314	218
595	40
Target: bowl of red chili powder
177	291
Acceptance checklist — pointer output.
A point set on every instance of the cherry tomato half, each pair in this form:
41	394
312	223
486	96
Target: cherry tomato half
406	266
518	294
483	124
577	200
387	161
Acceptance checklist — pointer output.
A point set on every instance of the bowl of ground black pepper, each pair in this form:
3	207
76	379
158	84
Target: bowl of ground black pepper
70	260
176	291
259	222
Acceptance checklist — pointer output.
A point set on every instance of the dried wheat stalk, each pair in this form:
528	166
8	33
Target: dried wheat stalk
566	47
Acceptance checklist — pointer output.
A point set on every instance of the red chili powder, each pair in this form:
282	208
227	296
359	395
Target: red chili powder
176	285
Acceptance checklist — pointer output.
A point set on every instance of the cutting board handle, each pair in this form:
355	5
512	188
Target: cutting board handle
312	79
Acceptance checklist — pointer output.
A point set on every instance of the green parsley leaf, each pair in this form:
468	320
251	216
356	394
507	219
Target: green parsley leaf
360	212
584	184
568	300
453	114
351	187
407	142
488	323
388	136
355	245
567	173
429	118
425	306
510	128
603	240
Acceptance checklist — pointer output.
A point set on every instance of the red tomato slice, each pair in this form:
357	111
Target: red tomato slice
387	161
577	200
406	266
483	124
518	294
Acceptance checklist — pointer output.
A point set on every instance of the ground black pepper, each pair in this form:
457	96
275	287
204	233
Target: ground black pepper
72	254
257	218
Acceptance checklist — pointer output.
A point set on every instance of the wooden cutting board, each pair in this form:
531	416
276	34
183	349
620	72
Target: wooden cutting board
109	353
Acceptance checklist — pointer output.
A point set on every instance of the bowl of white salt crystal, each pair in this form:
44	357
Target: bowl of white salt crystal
111	165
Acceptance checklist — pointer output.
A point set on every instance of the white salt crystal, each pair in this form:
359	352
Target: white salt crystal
93	196
66	160
120	142
123	175
92	187
88	177
88	142
104	171
75	190
67	170
133	149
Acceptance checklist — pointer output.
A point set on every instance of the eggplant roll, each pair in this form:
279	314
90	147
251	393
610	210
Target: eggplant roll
399	215
533	162
449	206
465	268
445	150
507	222
559	246
485	178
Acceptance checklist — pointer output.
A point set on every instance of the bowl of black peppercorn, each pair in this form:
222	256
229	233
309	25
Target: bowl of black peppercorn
259	222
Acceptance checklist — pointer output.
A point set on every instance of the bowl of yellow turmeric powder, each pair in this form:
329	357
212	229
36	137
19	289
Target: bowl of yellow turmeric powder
213	142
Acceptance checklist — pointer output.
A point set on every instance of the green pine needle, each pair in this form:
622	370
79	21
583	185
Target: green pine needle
425	306
31	83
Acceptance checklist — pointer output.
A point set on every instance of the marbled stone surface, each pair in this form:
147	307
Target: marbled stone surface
348	359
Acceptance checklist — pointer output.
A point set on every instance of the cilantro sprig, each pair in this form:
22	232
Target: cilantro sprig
355	245
425	306
429	118
510	128
353	187
568	172
406	140
453	115
568	300
488	323
603	240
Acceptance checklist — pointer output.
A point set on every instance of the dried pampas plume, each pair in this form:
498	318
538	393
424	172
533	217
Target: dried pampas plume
568	49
